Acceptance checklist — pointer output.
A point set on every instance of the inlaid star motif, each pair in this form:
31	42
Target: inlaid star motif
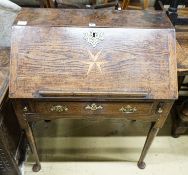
94	62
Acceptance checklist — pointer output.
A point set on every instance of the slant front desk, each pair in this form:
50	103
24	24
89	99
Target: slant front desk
92	63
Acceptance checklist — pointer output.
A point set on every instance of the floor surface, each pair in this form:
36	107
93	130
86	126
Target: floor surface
118	156
68	148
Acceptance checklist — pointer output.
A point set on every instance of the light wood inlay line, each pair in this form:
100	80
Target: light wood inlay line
94	62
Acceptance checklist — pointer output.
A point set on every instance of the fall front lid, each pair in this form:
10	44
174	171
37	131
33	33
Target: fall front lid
92	53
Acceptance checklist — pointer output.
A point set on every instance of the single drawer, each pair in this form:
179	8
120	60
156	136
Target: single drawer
81	109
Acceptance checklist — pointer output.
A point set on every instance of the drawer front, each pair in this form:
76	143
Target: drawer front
117	109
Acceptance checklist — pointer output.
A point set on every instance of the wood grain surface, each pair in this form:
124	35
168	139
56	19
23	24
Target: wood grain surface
102	18
60	59
41	109
80	110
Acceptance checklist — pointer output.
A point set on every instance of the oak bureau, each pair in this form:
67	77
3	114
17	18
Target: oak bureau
92	64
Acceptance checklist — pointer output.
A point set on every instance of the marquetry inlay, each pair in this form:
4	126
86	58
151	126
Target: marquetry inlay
94	63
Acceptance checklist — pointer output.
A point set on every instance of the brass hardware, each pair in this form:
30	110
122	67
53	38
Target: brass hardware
160	110
59	108
93	107
25	109
93	38
128	109
160	107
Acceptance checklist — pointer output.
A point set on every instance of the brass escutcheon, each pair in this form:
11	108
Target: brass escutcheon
93	107
59	108
25	109
128	109
94	37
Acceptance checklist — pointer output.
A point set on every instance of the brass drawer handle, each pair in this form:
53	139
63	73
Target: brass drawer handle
128	109
59	108
93	107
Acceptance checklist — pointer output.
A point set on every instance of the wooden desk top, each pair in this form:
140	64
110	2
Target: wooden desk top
126	53
4	72
101	18
182	62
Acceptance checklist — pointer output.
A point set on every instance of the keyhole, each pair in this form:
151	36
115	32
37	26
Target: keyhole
93	34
